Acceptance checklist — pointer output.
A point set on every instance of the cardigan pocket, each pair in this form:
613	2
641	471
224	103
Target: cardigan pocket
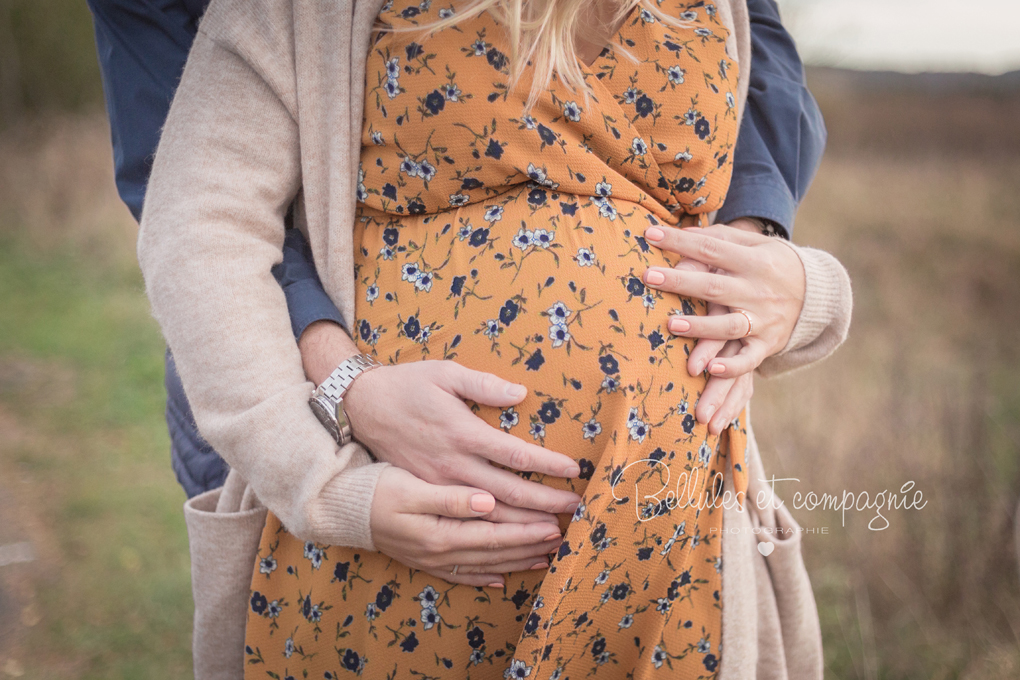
224	528
789	631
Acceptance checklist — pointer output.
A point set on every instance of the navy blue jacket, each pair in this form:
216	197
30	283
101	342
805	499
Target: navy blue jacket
143	45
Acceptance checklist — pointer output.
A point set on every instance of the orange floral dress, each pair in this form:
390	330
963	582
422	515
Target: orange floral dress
512	243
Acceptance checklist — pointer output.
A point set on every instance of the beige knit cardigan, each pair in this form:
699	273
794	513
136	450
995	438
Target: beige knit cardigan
269	108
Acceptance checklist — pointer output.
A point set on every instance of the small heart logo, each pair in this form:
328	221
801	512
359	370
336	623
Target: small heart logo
766	548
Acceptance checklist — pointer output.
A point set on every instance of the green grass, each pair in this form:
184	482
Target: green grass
113	583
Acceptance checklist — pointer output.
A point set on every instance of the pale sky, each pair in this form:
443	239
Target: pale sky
907	35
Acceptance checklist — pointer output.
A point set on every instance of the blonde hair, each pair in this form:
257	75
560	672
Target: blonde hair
543	32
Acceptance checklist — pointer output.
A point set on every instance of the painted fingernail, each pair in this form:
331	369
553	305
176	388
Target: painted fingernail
716	369
541	565
654	278
572	507
572	471
551	537
495	585
654	234
516	391
679	326
482	502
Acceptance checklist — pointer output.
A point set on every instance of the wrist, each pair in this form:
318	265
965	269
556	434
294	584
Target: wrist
324	345
745	224
329	401
356	399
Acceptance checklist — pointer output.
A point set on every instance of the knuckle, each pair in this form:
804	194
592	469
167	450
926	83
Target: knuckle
445	465
451	504
441	545
483	382
493	542
708	249
515	495
733	327
469	441
518	458
431	545
714	288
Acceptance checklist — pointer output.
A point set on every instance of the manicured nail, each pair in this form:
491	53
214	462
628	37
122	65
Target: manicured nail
697	367
654	278
495	585
516	391
541	565
572	507
571	471
654	234
552	537
679	325
482	502
716	369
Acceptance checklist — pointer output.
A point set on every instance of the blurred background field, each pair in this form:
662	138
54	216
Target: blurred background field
919	195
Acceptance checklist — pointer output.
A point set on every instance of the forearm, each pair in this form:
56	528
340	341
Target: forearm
211	233
324	345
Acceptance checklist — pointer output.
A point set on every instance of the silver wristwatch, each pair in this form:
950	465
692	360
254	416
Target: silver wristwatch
327	400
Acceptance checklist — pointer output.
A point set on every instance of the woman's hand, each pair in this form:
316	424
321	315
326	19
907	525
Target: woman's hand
732	269
429	527
723	399
413	415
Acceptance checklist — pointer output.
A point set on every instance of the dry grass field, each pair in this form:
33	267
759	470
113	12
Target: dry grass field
919	196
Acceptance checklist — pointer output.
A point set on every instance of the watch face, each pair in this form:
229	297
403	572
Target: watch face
327	417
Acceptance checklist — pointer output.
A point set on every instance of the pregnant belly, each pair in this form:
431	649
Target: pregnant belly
549	296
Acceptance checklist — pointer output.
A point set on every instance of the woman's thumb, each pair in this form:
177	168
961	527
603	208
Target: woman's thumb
485	388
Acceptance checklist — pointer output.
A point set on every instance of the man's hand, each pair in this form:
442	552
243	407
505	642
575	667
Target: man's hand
413	415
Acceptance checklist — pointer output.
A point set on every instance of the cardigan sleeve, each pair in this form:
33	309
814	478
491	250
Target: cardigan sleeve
227	167
825	317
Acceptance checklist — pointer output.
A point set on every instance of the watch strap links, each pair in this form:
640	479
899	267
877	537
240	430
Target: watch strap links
328	398
339	381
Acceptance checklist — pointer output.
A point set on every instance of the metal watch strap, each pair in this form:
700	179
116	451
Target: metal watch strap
339	381
327	399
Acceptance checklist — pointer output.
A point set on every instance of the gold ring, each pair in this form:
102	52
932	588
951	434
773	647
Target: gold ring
455	568
750	324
